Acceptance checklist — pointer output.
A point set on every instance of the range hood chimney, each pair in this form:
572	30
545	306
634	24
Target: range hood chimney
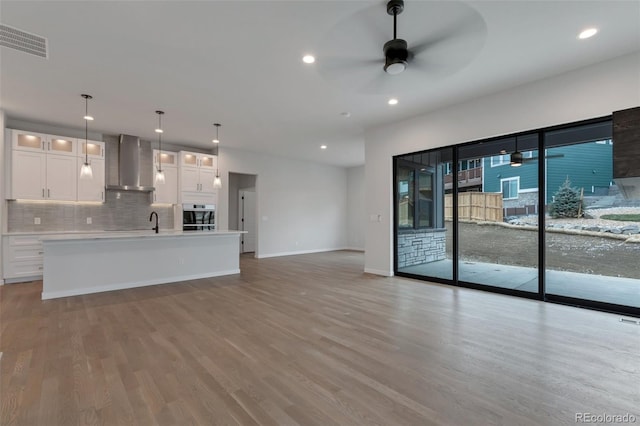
132	153
626	152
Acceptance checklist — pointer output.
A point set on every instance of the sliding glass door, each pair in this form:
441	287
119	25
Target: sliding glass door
498	214
423	237
535	214
590	225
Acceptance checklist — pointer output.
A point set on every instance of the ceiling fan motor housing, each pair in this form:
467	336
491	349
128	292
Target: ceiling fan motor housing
396	54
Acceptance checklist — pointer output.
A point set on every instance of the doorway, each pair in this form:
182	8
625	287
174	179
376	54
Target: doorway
243	209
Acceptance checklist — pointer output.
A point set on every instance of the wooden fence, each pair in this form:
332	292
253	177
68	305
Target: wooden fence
485	206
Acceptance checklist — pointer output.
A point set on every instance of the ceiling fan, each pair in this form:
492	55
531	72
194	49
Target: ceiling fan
444	36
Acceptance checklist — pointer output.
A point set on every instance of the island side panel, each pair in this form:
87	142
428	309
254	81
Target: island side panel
83	266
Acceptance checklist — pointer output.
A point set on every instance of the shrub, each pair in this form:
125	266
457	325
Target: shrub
566	202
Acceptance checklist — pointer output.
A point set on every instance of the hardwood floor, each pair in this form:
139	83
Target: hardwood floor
309	340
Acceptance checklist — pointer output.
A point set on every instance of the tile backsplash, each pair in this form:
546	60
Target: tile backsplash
122	211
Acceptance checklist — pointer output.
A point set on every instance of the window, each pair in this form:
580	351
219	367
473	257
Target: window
500	160
415	181
510	188
474	164
527	154
405	179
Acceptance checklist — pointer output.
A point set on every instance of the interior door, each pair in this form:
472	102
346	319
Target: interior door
247	220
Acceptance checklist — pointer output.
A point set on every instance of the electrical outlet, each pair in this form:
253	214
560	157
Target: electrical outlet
36	221
181	261
89	221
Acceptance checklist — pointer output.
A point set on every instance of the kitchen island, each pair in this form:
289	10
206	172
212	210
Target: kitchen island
91	263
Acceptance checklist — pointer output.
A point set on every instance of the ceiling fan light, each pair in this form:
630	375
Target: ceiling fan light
395	68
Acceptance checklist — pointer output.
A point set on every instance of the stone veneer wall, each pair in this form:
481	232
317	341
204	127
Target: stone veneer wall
422	246
123	212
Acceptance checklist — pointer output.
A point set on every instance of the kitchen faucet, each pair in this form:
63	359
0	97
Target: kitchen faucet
151	218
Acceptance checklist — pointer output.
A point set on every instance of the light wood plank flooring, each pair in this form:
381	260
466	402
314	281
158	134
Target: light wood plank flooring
309	340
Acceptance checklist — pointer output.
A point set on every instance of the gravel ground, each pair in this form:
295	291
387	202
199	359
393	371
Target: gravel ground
564	252
595	213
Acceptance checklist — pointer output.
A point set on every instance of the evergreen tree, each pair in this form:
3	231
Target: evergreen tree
566	202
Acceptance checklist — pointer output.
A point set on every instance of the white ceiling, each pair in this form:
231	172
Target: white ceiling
239	63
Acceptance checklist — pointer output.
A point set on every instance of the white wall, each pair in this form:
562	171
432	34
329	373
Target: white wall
3	202
589	92
301	206
356	209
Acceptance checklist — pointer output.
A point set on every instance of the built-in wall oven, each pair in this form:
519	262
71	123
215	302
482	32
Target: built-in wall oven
198	217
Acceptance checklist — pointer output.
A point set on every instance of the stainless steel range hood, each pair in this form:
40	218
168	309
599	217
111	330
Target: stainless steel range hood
626	152
133	157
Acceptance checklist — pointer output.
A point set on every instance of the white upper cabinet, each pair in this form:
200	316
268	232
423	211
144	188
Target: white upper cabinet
167	192
28	141
197	172
91	189
47	167
96	148
61	177
28	175
61	145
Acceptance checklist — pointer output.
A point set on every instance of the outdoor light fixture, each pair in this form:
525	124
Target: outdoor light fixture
159	131
85	170
217	182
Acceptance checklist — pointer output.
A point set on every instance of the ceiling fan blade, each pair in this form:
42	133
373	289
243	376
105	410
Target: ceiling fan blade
340	63
381	83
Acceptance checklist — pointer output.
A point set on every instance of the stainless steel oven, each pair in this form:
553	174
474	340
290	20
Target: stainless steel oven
198	217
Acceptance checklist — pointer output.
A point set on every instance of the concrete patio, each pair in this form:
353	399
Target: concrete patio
621	291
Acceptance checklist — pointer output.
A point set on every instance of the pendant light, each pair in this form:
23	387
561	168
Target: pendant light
159	131
217	182
85	170
516	157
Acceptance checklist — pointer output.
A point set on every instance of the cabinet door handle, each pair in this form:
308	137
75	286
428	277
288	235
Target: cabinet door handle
43	190
43	145
102	195
40	252
48	193
48	146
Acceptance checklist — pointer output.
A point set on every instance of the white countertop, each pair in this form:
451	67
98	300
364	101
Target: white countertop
103	235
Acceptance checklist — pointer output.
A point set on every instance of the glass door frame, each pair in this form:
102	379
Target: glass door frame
541	294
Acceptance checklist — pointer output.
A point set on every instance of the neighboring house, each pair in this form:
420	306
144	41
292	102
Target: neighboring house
469	176
589	167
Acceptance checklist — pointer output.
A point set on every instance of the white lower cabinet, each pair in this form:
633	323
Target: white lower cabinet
22	258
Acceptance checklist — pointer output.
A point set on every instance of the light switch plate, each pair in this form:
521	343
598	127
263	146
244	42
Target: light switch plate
89	221
36	221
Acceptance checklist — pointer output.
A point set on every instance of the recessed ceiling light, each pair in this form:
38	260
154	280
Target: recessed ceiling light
323	147
215	141
589	32
159	131
393	101
308	59
88	118
345	114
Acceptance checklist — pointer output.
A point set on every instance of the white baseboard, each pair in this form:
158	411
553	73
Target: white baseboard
378	272
355	249
297	252
123	286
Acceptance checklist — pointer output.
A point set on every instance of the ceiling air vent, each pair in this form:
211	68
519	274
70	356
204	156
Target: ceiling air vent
14	38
